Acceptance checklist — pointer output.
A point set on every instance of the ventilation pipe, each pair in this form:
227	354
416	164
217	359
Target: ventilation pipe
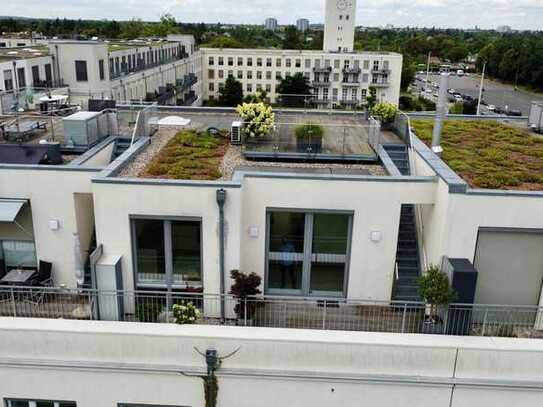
441	111
221	200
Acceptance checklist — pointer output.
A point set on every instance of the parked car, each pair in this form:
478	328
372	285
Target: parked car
491	108
514	112
451	91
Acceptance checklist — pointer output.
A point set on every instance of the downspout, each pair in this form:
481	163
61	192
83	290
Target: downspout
221	200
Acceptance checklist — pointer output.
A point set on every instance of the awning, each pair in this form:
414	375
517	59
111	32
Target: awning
10	208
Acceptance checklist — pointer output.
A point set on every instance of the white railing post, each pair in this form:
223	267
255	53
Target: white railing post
324	315
404	316
14	305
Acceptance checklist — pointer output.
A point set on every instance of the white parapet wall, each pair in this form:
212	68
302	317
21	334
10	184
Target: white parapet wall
105	363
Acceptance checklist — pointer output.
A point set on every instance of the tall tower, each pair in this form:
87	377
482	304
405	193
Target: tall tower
339	25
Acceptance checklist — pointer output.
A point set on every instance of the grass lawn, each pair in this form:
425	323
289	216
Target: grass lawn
488	154
188	155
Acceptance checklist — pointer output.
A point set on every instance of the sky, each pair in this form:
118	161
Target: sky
519	14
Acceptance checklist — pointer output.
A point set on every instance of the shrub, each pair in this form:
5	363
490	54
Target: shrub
245	285
386	111
309	129
258	118
435	289
185	313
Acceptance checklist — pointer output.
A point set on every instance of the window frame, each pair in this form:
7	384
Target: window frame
77	78
308	233
168	255
33	402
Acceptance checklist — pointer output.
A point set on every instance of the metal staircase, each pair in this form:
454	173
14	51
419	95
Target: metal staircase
407	253
121	145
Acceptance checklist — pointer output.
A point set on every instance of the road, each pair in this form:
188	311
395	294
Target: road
495	93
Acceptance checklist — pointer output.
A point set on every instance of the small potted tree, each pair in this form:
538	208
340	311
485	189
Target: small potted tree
245	286
309	138
435	290
386	112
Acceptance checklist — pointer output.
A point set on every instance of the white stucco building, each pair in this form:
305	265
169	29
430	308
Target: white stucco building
339	26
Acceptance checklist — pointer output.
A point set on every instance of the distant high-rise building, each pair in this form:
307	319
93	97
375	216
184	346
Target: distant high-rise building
503	29
302	24
271	24
339	25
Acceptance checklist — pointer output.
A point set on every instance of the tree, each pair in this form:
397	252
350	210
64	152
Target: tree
409	70
223	42
292	38
292	90
132	29
231	94
167	25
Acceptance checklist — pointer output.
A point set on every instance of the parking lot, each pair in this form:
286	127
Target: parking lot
497	94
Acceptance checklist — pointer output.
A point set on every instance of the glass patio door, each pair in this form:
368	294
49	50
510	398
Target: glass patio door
307	253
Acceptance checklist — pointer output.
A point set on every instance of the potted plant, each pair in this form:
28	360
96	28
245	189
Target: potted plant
245	286
309	138
386	112
185	313
435	290
258	120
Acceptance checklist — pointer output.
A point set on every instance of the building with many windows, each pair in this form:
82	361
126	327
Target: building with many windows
337	79
271	24
339	26
302	24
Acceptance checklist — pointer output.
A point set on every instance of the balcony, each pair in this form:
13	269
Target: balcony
352	71
350	83
319	83
322	69
381	71
349	102
380	84
321	313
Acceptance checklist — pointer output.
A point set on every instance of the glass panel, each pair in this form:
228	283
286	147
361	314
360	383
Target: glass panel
17	253
150	251
45	404
18	403
186	252
329	255
286	250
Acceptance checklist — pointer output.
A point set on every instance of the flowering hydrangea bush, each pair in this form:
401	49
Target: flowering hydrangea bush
386	111
185	313
258	119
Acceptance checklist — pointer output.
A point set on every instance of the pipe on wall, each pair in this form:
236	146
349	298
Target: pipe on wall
221	200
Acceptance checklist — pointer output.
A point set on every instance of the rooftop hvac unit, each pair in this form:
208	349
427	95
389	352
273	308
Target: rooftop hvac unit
235	137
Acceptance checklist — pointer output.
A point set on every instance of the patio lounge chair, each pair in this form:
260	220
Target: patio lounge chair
40	283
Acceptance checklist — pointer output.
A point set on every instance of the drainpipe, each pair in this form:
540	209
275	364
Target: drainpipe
221	200
441	112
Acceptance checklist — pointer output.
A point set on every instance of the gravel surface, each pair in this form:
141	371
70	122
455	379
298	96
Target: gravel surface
159	140
233	159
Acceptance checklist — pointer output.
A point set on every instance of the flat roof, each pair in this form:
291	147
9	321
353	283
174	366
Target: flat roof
236	157
297	52
12	54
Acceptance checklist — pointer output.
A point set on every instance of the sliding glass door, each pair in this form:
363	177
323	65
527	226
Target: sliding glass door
167	253
307	253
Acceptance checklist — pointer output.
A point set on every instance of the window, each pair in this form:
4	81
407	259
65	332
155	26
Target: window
211	87
259	62
249	74
249	61
17	254
308	63
211	61
288	63
221	74
278	62
211	74
101	69
365	78
81	71
268	62
258	74
268	75
221	61
8	79
167	252
240	61
268	88
36	75
298	63
230	61
249	87
308	252
38	403
240	74
230	74
21	77
278	76
375	65
336	63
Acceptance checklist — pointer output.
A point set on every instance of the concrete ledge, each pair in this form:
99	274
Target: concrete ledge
505	193
388	163
456	184
122	161
92	152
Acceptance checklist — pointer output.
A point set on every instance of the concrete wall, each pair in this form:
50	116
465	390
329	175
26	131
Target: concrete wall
50	191
101	364
339	25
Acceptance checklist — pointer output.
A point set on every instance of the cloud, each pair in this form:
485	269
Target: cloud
522	14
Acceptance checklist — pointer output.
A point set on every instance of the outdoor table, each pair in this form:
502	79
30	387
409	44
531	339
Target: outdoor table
18	277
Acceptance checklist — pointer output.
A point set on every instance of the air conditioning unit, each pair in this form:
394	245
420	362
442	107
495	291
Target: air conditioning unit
235	137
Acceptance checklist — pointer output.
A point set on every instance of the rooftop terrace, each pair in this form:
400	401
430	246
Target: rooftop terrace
190	153
489	154
12	54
